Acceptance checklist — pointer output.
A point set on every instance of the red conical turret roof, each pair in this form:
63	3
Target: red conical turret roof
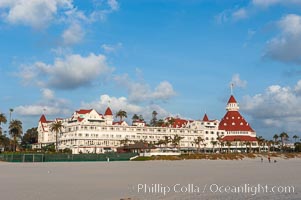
205	118
108	111
232	99
43	119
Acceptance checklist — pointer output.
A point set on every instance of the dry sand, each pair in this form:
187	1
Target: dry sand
117	180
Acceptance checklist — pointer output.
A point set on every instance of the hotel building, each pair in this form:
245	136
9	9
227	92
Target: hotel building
88	131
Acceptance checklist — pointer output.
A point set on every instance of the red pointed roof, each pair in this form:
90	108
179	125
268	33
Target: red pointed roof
205	118
233	121
43	119
108	111
232	99
231	138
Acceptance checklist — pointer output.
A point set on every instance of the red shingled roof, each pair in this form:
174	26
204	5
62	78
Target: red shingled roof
117	123
233	121
232	99
108	111
205	118
83	111
239	138
43	119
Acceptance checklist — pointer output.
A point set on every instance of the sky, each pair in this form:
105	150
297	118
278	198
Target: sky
176	57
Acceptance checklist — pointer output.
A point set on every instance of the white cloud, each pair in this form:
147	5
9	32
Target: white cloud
238	82
140	91
73	35
108	48
117	103
70	72
277	107
49	104
240	14
286	47
35	13
163	91
113	4
268	3
47	93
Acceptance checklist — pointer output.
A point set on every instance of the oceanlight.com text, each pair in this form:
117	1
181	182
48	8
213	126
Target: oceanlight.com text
252	189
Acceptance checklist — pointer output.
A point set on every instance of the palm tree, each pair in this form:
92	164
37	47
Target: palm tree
15	131
125	141
176	140
197	142
275	140
260	141
213	145
295	137
121	114
219	138
248	143
153	121
228	143
135	117
57	128
10	113
166	140
4	141
2	120
160	142
283	137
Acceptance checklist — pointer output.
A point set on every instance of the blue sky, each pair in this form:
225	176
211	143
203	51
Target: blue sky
175	57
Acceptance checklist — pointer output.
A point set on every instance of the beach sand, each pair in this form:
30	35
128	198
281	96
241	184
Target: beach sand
186	179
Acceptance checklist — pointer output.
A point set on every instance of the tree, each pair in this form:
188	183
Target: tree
10	113
275	140
213	145
153	121
260	141
125	141
160	122
284	137
15	131
166	140
57	128
135	117
228	143
295	138
248	143
30	137
220	140
4	142
176	140
197	141
2	120
121	114
160	142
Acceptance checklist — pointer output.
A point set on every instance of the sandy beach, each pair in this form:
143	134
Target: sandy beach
187	179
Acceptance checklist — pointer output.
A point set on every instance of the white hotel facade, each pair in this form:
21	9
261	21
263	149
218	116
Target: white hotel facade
88	131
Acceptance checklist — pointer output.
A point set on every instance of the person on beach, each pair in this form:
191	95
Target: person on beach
261	159
269	158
